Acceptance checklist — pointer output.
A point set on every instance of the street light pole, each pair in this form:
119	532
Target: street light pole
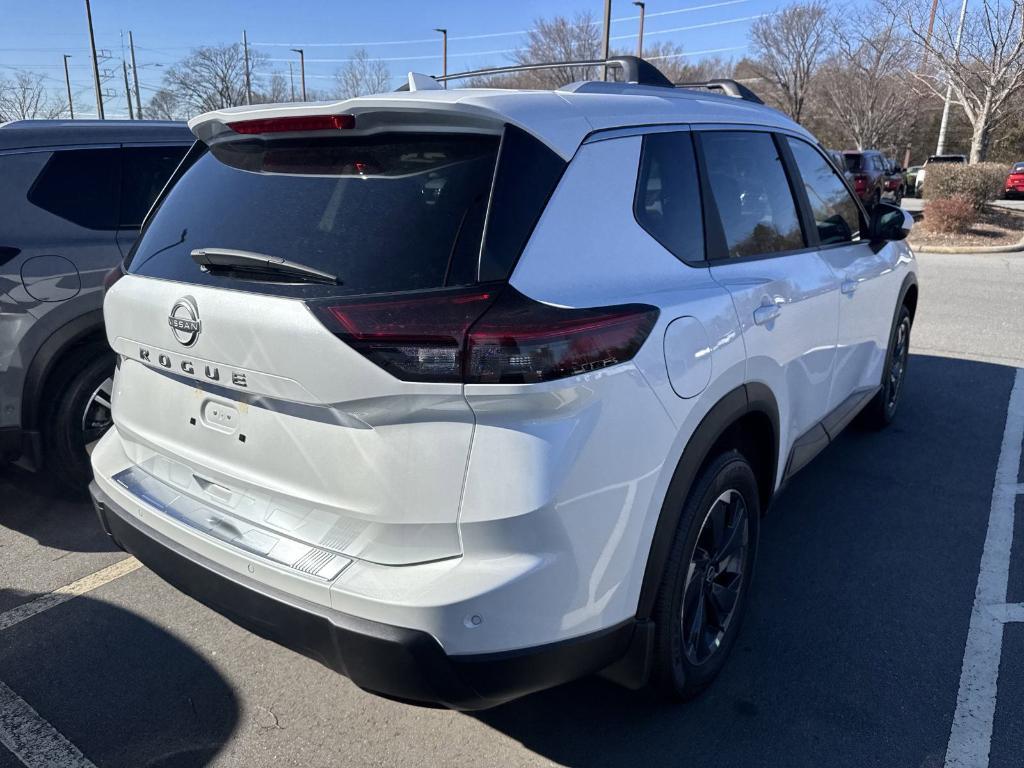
302	69
444	52
248	77
640	39
944	125
95	64
606	48
67	82
291	80
135	76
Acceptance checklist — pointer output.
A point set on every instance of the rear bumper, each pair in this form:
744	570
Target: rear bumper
392	661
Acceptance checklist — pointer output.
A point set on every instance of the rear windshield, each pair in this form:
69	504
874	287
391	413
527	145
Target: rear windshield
1018	168
390	212
946	159
853	162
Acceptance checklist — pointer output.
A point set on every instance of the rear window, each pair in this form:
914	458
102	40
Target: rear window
390	212
1017	168
854	162
81	186
144	172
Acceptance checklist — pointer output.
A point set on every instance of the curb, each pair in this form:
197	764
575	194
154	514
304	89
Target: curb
972	249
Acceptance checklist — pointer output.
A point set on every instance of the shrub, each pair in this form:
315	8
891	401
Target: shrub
949	215
979	183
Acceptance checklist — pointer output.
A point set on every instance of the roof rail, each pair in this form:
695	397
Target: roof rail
727	87
634	70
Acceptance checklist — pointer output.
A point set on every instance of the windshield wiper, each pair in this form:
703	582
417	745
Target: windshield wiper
259	264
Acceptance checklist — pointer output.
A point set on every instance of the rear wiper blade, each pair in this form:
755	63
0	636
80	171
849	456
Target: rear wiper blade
229	259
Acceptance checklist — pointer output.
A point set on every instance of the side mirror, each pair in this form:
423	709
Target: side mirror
890	222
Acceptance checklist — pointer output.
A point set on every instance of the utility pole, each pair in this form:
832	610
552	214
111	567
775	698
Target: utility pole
928	39
67	82
95	65
640	39
302	69
127	90
248	78
444	53
606	48
291	79
135	76
944	125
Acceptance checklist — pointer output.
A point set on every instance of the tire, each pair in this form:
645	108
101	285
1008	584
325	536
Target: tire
876	198
68	428
880	412
685	662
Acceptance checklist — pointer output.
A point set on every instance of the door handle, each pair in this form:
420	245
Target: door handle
767	313
849	287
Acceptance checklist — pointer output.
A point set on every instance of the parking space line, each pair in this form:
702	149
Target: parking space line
970	736
86	584
32	739
1009	613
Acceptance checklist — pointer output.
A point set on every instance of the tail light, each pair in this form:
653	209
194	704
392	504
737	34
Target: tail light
487	336
860	182
293	123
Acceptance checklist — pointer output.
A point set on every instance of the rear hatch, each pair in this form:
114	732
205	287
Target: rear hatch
289	378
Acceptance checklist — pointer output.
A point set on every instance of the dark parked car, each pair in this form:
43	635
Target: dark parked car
869	172
1015	180
73	196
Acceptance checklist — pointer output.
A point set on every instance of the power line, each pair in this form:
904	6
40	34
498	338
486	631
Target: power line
510	33
465	54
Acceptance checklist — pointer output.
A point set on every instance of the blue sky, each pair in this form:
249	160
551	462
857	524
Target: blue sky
33	36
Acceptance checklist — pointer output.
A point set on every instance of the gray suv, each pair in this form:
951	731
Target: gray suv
73	195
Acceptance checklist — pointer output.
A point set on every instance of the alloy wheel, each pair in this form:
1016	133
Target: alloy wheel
898	364
96	416
715	576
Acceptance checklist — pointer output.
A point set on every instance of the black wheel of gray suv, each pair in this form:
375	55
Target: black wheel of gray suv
705	587
79	414
881	410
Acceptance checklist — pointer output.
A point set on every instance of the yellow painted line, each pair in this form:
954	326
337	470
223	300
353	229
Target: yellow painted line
61	595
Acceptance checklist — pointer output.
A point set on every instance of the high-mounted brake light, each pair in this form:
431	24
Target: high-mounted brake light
294	124
481	336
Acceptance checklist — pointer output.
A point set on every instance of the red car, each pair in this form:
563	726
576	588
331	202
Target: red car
1015	180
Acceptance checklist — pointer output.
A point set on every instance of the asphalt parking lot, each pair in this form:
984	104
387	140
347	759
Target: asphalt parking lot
852	653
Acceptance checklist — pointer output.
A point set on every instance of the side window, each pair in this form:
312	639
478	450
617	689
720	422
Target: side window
754	200
836	214
145	170
81	186
667	202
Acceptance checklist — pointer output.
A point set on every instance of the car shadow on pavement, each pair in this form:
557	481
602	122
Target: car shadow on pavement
851	650
31	505
121	689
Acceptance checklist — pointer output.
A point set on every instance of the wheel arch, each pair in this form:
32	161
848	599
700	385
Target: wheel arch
84	332
747	418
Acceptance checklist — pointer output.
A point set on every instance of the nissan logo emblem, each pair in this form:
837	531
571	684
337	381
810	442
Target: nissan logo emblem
184	321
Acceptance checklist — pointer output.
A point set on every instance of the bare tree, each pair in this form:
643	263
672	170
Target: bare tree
211	77
274	90
553	40
985	72
865	84
788	49
26	98
672	61
362	75
163	105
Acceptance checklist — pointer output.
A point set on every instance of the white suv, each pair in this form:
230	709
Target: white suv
467	393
